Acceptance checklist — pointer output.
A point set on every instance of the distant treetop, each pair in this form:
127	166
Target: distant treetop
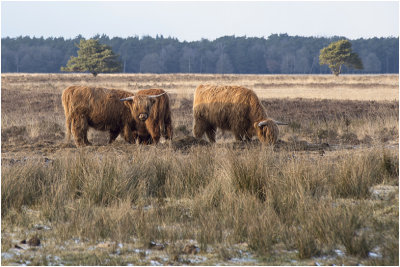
94	58
338	54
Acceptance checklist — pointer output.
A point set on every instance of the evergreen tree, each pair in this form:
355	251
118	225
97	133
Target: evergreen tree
94	58
338	54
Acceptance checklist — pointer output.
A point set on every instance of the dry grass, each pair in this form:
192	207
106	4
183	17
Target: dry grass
218	197
344	87
301	202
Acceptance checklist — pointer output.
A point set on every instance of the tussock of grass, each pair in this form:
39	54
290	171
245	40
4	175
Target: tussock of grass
216	197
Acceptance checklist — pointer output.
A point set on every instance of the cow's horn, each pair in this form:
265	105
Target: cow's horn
263	123
127	99
151	96
281	123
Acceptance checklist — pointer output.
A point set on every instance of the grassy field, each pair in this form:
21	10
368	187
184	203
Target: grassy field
326	194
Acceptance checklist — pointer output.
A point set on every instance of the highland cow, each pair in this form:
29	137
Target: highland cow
159	120
101	109
232	108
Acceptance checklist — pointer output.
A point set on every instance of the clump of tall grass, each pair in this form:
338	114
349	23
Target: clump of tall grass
217	196
300	193
189	174
353	176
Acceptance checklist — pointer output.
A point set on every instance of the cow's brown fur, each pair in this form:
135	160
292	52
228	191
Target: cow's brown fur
159	121
232	108
100	109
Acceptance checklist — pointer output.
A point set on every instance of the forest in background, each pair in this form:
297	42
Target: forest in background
276	54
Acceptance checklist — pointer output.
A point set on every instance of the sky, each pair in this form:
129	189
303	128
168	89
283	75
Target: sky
194	20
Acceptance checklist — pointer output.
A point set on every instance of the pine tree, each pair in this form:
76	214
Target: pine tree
94	58
337	54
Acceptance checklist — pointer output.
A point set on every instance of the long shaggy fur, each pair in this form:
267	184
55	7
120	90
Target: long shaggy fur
268	134
98	108
232	108
159	121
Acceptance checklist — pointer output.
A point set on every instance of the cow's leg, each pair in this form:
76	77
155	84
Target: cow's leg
154	130
240	131
85	139
113	135
168	132
210	132
211	135
199	128
145	140
79	129
242	137
85	134
129	135
135	136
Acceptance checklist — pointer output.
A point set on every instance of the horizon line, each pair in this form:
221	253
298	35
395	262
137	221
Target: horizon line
98	35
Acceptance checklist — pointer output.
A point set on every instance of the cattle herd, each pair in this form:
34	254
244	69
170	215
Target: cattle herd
145	116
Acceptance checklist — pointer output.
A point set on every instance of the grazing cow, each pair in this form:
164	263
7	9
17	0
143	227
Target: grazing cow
159	120
232	108
102	110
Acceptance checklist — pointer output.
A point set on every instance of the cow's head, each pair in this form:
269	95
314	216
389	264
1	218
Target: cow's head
140	105
267	130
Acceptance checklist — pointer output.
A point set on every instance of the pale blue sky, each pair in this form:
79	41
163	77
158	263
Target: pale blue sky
195	20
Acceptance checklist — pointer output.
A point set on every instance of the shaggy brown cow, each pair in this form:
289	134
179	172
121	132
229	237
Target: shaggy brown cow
102	110
159	120
233	108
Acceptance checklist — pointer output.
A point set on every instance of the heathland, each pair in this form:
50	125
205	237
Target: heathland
326	193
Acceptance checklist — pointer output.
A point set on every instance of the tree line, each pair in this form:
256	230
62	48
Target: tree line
276	54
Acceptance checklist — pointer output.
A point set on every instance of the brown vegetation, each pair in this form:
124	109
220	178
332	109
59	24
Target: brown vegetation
326	193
